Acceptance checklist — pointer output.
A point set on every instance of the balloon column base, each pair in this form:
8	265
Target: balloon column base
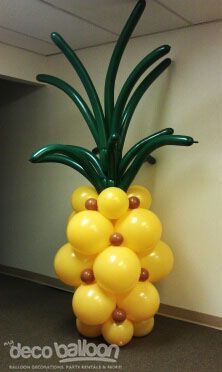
116	333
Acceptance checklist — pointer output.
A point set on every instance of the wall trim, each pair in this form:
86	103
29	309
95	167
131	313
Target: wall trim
191	316
169	311
34	277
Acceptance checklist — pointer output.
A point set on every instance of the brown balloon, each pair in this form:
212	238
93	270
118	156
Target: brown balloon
119	315
87	276
144	275
91	204
116	239
134	202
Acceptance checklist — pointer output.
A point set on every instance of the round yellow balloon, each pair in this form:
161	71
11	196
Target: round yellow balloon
68	265
142	193
159	262
141	302
117	333
141	230
92	305
113	202
89	232
81	195
117	269
88	330
143	328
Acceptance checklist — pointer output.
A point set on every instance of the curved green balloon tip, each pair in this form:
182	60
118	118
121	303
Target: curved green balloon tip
54	35
105	166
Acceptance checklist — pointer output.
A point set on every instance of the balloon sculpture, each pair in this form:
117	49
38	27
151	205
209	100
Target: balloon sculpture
114	252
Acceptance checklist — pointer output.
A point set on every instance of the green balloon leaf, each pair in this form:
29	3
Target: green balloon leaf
85	157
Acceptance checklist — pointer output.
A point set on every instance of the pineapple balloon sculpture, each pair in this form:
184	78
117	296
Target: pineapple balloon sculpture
114	252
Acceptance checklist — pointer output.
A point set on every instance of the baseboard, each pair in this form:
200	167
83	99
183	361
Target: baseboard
164	310
34	277
191	316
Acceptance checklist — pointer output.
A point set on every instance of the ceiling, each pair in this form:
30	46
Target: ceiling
27	24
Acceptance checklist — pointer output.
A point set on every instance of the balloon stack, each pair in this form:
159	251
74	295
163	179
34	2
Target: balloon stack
113	255
114	251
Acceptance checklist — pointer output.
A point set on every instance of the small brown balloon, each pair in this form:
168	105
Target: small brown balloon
144	275
116	238
87	276
134	202
91	204
119	315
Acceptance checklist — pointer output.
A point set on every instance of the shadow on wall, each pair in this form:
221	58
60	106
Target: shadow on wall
154	103
11	90
159	119
191	245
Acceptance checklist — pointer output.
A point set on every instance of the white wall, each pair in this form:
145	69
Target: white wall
185	183
19	64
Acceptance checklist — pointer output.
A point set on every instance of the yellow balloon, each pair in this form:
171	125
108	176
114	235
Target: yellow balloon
141	230
113	202
89	232
141	302
117	269
88	330
92	305
143	328
142	193
68	265
117	333
159	262
80	195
